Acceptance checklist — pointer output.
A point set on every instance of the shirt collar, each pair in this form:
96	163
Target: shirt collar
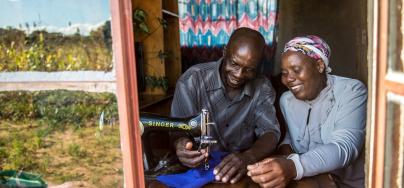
215	80
249	88
217	83
324	92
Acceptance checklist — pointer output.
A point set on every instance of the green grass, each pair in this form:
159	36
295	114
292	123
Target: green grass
56	134
61	156
76	151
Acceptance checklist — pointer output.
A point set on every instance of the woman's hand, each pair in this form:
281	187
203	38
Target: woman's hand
233	167
272	172
186	155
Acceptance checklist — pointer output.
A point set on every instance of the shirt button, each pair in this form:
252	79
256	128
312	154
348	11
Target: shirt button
227	125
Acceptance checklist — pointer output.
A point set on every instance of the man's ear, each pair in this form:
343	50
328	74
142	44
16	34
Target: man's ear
320	66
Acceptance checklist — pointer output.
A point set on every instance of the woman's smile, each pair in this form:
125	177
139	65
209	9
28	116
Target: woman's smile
296	88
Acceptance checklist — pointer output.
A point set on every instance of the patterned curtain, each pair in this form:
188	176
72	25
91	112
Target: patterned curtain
210	22
206	25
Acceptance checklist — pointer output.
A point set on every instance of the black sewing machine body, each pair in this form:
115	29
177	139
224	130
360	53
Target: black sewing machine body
197	128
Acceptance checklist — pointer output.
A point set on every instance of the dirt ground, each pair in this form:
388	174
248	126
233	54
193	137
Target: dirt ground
64	157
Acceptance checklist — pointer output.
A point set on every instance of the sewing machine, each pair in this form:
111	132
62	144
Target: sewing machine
197	128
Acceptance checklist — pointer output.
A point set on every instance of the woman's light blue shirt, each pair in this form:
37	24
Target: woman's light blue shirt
332	139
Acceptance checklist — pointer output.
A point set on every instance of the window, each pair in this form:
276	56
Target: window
59	115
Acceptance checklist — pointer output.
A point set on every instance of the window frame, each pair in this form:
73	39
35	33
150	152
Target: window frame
383	82
128	105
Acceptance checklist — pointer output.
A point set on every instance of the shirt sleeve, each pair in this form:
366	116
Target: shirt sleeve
346	139
265	116
184	103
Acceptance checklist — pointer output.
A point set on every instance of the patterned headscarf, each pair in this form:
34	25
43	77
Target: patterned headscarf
312	46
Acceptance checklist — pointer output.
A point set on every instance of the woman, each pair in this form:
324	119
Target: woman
325	116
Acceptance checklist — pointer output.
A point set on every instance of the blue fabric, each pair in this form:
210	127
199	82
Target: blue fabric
195	177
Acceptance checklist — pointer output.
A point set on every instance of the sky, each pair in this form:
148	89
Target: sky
55	15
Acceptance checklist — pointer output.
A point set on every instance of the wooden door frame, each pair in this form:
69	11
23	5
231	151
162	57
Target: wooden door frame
381	85
128	105
375	170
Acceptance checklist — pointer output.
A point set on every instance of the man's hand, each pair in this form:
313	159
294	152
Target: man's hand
186	155
272	172
233	167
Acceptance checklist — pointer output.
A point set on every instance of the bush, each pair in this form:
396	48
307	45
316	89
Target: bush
44	51
17	156
58	108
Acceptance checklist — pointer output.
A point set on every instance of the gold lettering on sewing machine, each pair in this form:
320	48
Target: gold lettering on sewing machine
160	124
184	126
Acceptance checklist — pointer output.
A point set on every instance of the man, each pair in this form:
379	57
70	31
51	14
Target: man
240	102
